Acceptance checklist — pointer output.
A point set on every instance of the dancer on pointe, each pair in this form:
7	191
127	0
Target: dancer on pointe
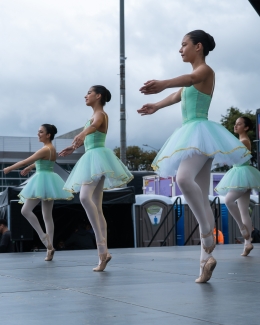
198	145
45	186
97	169
237	185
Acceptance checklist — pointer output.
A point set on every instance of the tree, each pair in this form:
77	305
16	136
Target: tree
137	158
229	120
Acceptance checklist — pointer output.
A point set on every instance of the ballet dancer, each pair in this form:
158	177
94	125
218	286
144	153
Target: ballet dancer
237	185
97	169
198	145
45	186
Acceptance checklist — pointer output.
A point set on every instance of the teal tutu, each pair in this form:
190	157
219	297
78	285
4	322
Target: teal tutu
44	185
200	136
94	164
239	178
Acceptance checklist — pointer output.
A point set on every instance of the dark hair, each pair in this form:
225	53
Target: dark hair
207	41
50	129
248	123
3	222
105	93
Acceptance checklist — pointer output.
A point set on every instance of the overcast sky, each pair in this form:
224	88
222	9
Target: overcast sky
52	51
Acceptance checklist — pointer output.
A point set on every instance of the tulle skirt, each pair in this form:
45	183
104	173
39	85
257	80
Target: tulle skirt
44	185
94	164
239	178
204	137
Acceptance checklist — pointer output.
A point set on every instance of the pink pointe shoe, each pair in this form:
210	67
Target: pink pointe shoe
103	263
247	249
207	270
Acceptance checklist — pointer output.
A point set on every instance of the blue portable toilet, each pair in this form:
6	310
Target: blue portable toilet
180	229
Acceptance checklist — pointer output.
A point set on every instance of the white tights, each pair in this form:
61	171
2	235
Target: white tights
240	211
27	212
91	196
193	178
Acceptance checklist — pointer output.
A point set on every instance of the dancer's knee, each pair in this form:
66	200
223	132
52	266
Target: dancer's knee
183	182
229	201
25	211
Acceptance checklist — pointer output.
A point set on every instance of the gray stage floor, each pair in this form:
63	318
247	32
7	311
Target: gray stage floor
152	286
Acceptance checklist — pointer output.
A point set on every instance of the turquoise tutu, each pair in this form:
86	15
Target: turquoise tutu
96	162
199	136
239	178
45	184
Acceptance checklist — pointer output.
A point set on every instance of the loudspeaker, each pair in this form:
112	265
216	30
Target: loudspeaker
18	225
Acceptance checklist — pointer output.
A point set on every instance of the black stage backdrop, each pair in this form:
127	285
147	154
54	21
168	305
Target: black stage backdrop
117	207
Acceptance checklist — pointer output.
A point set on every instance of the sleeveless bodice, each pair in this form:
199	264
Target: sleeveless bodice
94	140
247	163
194	104
44	165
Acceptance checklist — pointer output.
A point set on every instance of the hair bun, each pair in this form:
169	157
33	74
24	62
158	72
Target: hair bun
108	96
211	42
54	129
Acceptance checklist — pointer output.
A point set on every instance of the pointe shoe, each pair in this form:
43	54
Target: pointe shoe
207	270
209	249
103	263
50	254
247	249
46	239
109	257
247	235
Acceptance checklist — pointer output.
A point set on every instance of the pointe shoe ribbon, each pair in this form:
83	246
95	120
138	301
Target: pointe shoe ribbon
210	248
109	257
45	239
247	235
207	270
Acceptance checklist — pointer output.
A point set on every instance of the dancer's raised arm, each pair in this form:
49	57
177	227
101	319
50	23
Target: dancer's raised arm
43	153
97	121
199	75
149	109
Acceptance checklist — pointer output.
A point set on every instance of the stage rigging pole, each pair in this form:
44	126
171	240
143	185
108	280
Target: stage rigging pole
122	85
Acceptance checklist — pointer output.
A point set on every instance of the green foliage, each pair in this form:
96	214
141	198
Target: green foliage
137	158
229	120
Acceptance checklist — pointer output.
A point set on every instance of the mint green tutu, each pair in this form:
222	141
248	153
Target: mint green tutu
239	178
96	162
198	136
44	184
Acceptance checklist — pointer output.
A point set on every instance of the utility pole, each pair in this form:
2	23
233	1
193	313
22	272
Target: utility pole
122	85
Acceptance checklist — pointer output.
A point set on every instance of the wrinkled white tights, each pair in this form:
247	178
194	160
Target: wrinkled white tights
27	212
91	196
240	210
193	178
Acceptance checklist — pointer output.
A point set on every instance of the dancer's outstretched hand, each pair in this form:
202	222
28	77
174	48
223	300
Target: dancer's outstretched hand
67	151
153	87
147	109
6	170
25	171
78	140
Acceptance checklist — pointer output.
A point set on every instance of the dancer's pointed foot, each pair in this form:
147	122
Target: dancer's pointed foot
102	264
208	249
50	254
47	242
247	249
244	232
207	269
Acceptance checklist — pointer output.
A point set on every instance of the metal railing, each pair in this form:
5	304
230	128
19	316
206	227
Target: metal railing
178	213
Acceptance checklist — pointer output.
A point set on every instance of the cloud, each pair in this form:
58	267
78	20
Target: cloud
53	51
